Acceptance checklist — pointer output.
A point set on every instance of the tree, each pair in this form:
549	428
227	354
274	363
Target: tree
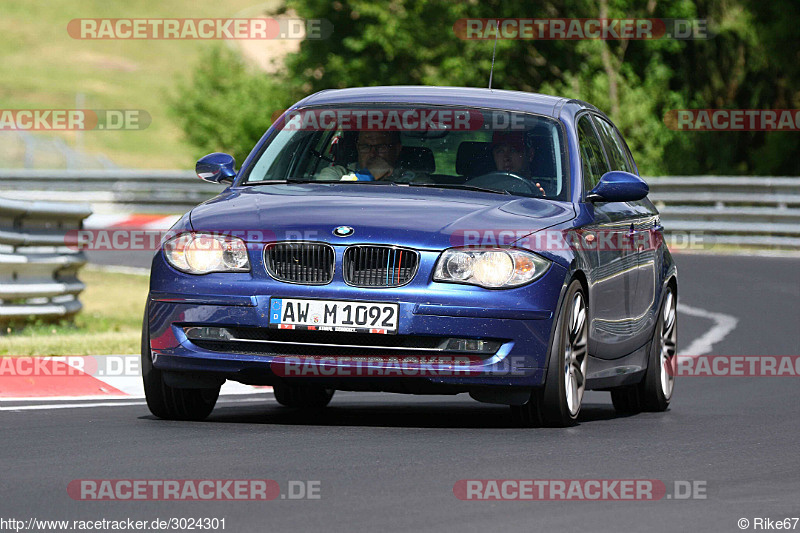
751	62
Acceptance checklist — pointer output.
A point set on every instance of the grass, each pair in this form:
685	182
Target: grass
110	322
44	68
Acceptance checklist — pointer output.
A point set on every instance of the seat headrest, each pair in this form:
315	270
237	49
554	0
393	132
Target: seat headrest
417	159
474	158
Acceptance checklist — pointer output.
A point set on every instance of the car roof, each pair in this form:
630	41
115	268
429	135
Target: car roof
457	96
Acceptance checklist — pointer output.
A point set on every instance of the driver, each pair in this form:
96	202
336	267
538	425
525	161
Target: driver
378	156
513	153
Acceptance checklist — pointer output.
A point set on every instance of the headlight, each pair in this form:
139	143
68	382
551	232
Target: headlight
201	253
492	268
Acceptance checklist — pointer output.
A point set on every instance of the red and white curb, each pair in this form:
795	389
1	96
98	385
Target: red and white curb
111	377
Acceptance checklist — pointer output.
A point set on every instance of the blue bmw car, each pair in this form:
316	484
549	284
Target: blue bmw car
420	240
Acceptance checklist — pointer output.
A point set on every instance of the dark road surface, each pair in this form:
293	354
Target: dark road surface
389	462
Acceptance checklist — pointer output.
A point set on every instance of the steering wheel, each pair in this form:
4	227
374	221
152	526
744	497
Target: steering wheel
495	179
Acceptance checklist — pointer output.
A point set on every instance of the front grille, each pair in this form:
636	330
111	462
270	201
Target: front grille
309	263
379	266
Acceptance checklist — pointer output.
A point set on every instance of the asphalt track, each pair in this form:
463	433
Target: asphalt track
389	462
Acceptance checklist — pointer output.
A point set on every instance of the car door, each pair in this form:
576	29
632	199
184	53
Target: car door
612	276
644	222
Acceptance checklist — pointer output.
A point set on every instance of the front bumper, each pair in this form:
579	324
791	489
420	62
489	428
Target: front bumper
521	318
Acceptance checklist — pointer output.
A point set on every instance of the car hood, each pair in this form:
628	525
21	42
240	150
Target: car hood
422	218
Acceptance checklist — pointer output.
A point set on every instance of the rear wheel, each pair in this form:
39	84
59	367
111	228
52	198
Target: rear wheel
654	392
558	403
659	381
302	396
172	403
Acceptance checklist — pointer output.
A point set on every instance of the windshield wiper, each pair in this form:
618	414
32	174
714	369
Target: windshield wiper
295	180
367	182
458	186
279	182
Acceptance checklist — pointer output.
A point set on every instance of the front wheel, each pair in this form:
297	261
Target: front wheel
558	403
172	403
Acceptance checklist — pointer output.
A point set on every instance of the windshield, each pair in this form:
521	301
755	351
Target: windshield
493	151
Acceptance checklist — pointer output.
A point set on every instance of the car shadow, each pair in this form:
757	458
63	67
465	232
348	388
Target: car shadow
447	415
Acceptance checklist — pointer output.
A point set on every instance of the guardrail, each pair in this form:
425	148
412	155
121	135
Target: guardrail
38	271
112	191
22	149
730	210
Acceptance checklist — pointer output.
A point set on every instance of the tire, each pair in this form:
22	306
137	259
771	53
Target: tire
558	403
302	396
172	403
659	382
655	390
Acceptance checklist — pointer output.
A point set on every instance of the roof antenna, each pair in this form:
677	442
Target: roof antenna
496	32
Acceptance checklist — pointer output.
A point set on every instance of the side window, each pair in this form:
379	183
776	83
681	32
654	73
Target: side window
615	147
592	159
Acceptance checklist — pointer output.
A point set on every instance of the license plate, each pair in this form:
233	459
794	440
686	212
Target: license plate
333	315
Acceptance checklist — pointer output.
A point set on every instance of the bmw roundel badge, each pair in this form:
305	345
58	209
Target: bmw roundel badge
343	231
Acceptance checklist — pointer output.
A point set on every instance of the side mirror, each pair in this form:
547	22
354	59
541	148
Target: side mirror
618	186
216	168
